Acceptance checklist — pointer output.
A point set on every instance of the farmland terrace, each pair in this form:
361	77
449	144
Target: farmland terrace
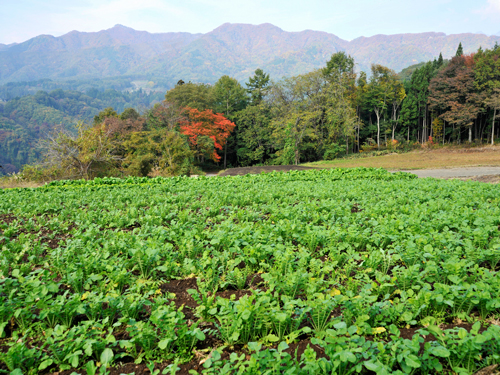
309	272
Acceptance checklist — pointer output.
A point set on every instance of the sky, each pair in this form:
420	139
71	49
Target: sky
21	20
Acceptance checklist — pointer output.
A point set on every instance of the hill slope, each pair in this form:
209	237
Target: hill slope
23	121
233	49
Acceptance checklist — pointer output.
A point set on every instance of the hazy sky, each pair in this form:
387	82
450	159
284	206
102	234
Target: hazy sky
348	19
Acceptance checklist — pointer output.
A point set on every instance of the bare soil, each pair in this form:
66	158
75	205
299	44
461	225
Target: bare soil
490	179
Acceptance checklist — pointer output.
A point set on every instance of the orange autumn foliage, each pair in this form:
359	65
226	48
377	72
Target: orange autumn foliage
209	124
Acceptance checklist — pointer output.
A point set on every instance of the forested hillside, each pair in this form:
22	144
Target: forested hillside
24	120
12	90
231	49
323	114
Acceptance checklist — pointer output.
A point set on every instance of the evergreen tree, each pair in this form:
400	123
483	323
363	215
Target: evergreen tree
460	50
257	86
440	60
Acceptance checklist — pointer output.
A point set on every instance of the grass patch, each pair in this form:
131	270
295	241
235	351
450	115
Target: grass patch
446	157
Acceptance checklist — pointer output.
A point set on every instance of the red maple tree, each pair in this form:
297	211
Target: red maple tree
206	124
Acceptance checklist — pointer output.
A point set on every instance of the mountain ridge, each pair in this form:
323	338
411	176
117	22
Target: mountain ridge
234	49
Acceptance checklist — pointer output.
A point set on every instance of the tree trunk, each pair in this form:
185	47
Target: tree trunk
424	128
444	130
493	127
298	138
470	133
225	146
359	126
225	153
378	127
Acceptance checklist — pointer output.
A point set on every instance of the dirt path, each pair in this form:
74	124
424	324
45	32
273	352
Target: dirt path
474	173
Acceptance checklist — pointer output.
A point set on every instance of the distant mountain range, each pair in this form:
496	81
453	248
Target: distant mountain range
232	49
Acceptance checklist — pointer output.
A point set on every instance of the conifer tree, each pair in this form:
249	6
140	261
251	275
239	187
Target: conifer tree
440	60
460	50
257	86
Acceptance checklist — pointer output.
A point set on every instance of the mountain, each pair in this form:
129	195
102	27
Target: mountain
401	50
232	49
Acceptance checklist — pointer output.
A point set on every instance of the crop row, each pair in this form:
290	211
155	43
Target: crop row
377	272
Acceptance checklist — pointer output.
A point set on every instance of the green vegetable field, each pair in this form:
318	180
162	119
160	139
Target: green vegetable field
339	271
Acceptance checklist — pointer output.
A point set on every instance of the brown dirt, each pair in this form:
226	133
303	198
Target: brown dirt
265	169
490	370
490	179
183	298
7	219
301	346
45	235
295	349
407	333
355	208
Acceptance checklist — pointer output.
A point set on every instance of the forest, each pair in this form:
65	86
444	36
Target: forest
324	114
26	119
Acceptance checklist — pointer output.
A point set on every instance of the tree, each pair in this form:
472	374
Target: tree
129	113
207	131
397	95
339	64
230	97
493	102
257	86
166	115
380	91
309	108
193	95
440	61
107	112
87	155
415	105
460	50
452	92
254	134
487	79
176	158
297	108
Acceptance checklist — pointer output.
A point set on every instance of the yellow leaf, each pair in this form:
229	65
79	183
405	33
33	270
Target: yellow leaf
378	330
85	295
334	292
